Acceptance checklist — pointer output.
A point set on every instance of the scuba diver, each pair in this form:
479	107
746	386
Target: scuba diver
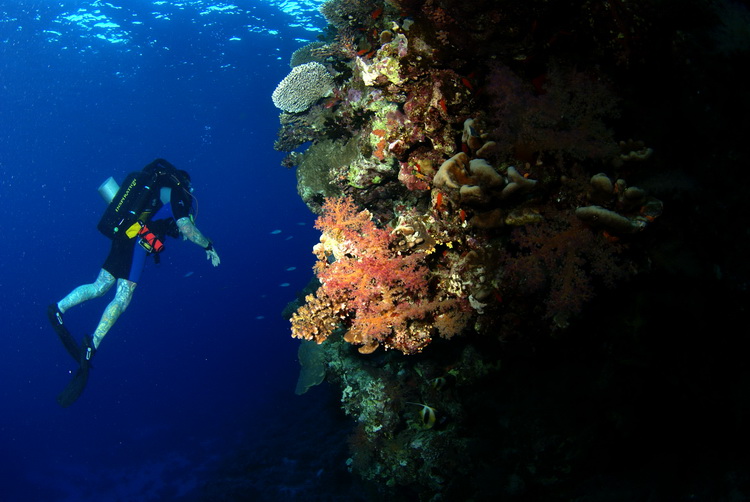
149	206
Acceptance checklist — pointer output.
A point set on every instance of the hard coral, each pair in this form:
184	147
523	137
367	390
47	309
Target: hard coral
478	183
312	52
628	209
349	14
304	85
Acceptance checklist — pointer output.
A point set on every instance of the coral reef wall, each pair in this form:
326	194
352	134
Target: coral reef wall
475	166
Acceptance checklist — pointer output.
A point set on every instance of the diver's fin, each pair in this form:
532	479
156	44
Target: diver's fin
73	391
75	388
55	319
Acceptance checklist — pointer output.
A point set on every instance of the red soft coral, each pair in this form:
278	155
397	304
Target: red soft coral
562	257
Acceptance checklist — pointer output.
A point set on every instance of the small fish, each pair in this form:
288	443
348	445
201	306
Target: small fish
289	269
260	317
301	223
333	101
188	274
284	285
427	414
289	238
438	383
275	232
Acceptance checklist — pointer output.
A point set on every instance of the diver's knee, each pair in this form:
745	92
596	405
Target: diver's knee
101	288
103	282
124	293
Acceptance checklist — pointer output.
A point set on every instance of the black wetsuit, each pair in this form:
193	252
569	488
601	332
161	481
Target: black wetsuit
126	256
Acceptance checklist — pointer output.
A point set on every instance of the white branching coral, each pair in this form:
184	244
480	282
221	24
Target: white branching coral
304	85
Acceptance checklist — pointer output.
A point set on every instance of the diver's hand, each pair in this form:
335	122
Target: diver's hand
212	255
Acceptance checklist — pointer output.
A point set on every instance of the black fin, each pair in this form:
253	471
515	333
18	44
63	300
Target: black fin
75	388
55	319
73	391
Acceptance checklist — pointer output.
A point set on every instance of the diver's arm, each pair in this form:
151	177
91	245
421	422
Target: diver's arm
191	233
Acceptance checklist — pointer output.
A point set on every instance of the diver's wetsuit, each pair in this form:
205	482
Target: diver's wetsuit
126	258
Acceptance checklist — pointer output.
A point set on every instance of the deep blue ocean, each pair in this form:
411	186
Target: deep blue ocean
201	367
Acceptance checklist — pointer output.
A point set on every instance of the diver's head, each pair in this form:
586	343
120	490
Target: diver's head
180	179
184	180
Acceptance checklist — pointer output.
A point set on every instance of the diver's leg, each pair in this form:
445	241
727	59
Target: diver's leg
103	282
116	307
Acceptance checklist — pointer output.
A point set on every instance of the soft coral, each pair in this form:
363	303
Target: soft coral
379	291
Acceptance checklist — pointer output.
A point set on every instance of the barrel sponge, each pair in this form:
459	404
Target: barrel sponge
304	85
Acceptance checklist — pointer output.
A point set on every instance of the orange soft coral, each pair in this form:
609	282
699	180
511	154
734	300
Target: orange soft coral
378	291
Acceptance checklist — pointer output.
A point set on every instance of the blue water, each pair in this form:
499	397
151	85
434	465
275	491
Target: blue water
201	365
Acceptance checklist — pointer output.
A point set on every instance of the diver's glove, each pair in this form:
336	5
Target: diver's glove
212	255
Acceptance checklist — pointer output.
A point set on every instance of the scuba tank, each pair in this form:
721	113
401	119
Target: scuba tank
109	189
132	203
